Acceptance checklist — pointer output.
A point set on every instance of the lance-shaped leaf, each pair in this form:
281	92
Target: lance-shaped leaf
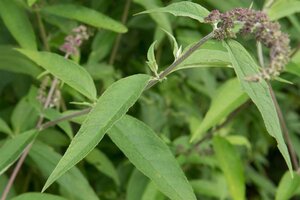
73	182
18	24
37	196
13	148
151	59
184	9
152	157
259	93
231	166
85	15
110	107
67	70
228	97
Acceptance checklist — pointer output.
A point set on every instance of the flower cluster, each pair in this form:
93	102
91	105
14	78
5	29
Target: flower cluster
74	40
265	31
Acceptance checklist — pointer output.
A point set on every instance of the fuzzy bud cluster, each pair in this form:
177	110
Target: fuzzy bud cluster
74	40
264	30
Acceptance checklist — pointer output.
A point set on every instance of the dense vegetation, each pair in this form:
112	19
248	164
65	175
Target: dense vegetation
149	99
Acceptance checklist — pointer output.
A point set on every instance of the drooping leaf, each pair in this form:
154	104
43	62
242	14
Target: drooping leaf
259	93
11	60
288	185
184	9
68	71
5	128
228	97
283	8
85	15
152	157
12	149
37	196
103	164
231	166
73	181
110	107
18	24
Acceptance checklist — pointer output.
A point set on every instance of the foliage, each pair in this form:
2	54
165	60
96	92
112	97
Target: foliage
149	100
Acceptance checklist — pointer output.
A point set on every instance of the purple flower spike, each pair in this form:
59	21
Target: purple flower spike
74	40
264	30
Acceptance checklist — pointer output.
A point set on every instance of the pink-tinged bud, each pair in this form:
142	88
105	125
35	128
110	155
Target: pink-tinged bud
74	40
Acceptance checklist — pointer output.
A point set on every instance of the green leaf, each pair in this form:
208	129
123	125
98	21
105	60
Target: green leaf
152	157
68	71
161	19
53	114
136	185
293	68
259	93
184	9
31	2
12	61
13	148
85	15
110	107
152	193
73	181
231	166
18	24
151	59
284	8
287	186
37	196
239	140
216	188
24	116
5	128
228	97
103	164
206	58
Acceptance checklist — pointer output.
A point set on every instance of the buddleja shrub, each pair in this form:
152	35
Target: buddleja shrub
64	103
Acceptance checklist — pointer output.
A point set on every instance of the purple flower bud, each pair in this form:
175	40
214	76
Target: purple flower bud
264	30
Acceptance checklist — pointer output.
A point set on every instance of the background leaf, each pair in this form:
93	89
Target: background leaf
12	149
18	24
73	181
287	186
12	61
99	160
37	196
284	8
228	97
183	9
259	93
152	157
231	166
68	71
85	15
110	107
